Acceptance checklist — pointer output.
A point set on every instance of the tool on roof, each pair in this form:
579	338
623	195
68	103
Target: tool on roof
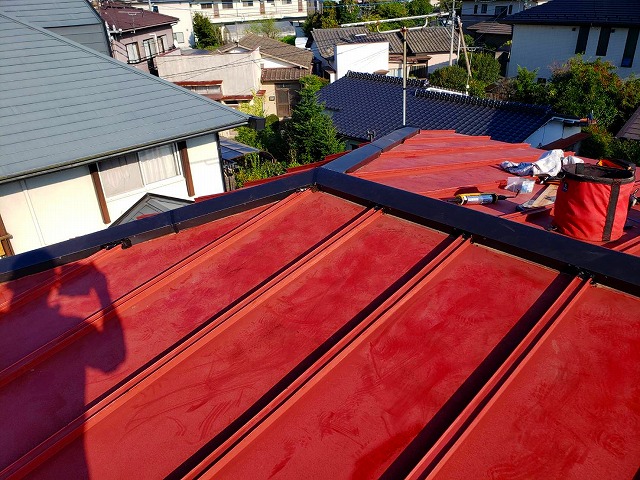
478	198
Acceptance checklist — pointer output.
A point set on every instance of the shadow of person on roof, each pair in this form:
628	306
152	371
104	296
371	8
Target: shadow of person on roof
61	342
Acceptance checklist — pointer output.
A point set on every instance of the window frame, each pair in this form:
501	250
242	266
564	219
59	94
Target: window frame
227	5
483	9
247	3
150	42
603	41
582	40
137	52
206	6
177	35
145	182
630	46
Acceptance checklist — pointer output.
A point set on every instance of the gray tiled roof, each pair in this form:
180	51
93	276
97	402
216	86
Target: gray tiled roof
580	12
283	74
275	49
491	28
631	129
52	13
423	41
62	104
360	103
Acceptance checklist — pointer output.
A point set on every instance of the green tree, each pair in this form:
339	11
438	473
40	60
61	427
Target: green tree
313	20
349	12
526	89
453	77
579	88
206	34
265	28
485	68
419	7
310	134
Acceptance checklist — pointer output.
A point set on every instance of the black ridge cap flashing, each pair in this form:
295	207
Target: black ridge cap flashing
608	267
361	156
165	223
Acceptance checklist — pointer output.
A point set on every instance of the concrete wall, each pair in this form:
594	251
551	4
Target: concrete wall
542	47
361	57
239	72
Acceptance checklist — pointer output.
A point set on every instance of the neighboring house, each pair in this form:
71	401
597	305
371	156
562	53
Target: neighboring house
74	19
137	35
490	34
631	129
84	136
477	11
550	34
230	79
235	31
427	50
364	107
227	12
237	71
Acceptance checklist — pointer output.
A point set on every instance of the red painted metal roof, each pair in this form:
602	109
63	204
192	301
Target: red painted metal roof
321	334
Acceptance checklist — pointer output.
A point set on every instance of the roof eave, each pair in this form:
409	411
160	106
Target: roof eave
115	153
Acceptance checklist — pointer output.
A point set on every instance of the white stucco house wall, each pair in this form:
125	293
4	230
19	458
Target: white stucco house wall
550	34
82	143
225	12
368	58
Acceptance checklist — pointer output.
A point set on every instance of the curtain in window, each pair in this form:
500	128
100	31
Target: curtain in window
158	163
120	175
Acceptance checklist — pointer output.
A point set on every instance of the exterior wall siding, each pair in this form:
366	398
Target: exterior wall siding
553	130
54	207
542	47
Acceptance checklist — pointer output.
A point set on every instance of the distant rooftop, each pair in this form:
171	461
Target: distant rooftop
62	104
128	19
623	13
273	48
631	129
360	103
424	41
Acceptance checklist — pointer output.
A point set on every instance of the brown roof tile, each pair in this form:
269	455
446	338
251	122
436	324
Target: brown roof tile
129	19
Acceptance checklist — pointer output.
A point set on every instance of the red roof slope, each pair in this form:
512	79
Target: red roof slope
321	326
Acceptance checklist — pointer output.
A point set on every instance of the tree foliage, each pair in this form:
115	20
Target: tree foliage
453	77
485	68
310	134
206	34
419	7
265	28
525	88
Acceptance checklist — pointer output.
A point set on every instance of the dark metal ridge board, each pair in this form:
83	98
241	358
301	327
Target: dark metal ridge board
155	226
608	267
363	155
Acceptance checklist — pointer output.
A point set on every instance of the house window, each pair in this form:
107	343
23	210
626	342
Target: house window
136	170
483	8
149	47
418	71
271	1
475	9
162	43
178	37
630	48
206	6
247	3
227	5
133	52
510	9
603	41
501	12
287	2
583	37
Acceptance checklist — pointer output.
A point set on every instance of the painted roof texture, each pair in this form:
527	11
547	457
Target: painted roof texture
623	13
274	48
52	13
129	19
62	104
387	335
359	103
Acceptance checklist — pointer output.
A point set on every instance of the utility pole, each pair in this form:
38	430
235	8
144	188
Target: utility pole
453	26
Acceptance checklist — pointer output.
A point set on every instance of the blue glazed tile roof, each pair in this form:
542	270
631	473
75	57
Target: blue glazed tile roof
581	12
359	103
